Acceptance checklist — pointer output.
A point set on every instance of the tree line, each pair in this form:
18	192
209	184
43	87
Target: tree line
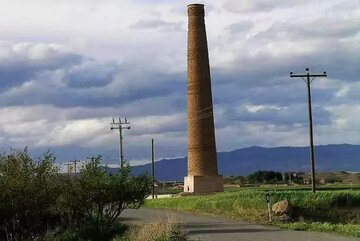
266	177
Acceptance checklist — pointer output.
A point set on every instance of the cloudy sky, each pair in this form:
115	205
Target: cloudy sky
67	67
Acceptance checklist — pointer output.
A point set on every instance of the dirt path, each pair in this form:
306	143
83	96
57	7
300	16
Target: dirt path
209	228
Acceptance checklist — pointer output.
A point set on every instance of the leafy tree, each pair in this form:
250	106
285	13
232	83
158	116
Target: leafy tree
332	179
239	180
96	199
36	200
264	177
28	193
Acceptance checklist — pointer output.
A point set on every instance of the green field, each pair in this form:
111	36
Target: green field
232	188
327	210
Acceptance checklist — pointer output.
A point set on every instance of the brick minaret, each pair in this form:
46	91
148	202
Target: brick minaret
202	164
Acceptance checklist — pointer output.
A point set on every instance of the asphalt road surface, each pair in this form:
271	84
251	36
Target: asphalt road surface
209	228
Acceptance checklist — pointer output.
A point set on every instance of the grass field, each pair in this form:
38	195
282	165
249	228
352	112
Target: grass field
327	210
232	188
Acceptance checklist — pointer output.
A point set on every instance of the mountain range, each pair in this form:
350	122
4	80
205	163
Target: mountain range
328	158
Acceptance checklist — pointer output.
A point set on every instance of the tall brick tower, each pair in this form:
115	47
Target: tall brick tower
202	164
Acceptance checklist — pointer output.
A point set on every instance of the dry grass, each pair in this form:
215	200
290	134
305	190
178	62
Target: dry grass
155	231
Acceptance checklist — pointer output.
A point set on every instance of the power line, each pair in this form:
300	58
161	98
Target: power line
120	125
308	78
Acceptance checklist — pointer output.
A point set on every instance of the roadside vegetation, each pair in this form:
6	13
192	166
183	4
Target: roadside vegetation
39	203
156	231
346	229
335	210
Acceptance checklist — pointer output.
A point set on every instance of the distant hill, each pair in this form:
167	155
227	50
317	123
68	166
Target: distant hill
328	158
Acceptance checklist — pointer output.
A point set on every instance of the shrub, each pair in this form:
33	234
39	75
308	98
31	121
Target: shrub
28	194
96	199
36	201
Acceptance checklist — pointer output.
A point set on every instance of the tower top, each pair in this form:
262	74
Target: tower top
196	9
195	5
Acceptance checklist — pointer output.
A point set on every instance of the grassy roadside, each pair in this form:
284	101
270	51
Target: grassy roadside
345	229
154	232
335	211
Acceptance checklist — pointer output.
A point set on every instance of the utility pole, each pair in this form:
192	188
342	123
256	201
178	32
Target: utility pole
68	167
308	78
290	176
152	168
120	126
75	161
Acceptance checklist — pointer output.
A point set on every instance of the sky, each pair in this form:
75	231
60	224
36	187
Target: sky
67	67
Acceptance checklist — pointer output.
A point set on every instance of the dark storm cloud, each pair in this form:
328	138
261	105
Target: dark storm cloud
340	60
291	93
17	68
50	97
43	74
11	78
278	115
91	75
91	85
94	85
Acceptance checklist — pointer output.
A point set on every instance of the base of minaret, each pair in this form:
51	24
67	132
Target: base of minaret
203	184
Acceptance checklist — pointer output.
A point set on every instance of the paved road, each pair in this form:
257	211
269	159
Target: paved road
209	228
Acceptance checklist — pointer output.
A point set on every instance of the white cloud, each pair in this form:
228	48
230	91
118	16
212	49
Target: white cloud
35	55
259	108
67	67
45	126
259	5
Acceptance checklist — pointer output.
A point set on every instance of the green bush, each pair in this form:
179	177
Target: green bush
96	198
28	194
85	233
37	202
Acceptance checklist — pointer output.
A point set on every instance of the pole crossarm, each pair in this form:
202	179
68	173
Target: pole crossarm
120	125
74	162
68	167
306	77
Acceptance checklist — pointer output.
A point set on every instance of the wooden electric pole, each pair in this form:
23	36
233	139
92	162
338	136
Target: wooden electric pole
120	126
308	78
68	167
153	168
75	161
